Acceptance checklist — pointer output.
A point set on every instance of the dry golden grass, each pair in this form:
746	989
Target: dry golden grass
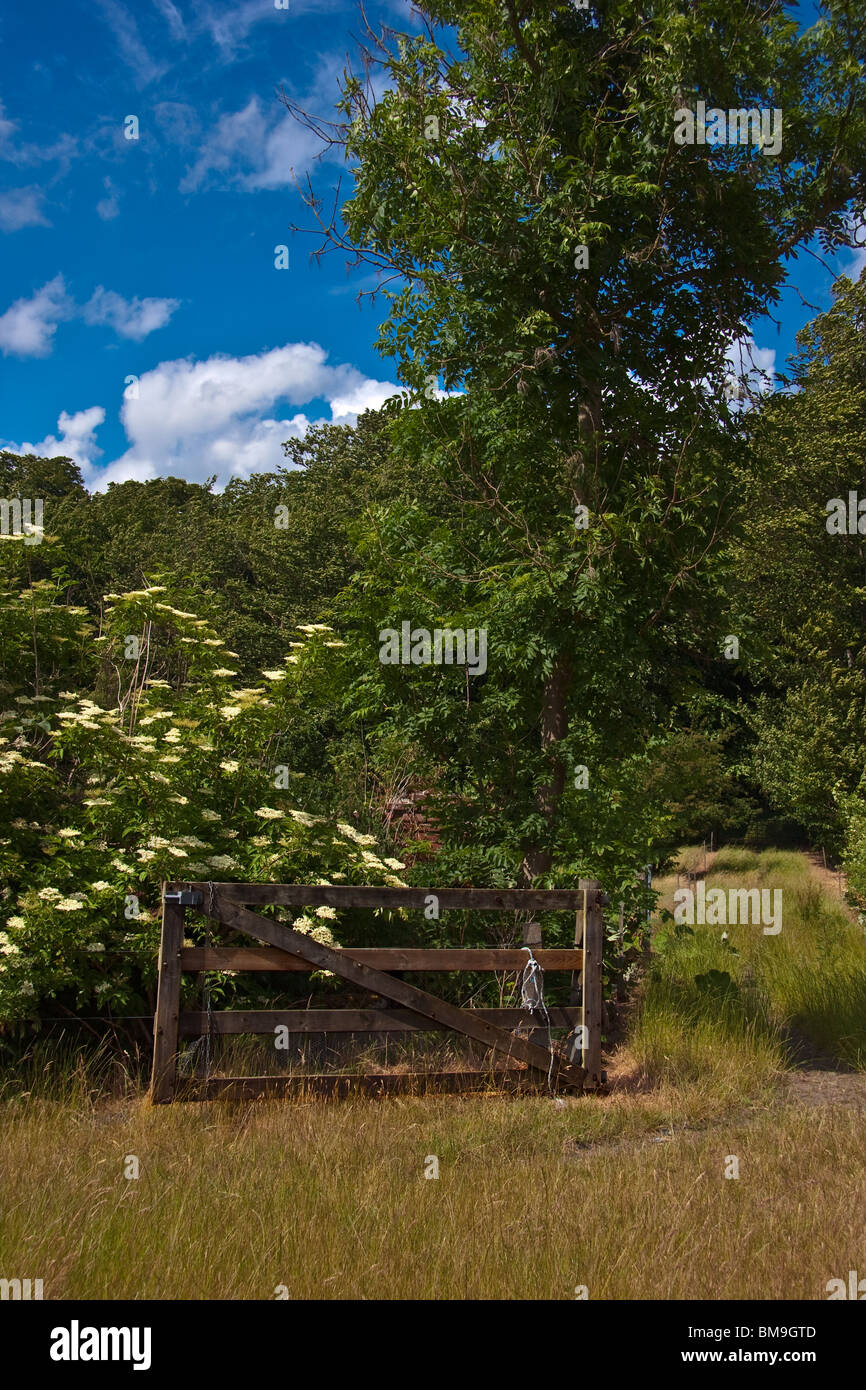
331	1200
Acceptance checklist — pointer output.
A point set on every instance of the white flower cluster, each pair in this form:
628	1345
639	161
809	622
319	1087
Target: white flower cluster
223	861
352	834
315	930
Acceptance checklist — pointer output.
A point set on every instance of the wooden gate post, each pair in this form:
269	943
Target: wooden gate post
591	980
165	1024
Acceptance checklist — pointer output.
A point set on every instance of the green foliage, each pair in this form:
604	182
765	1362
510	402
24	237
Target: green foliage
803	585
264	555
181	773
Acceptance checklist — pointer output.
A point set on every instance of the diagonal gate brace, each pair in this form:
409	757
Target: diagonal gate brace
426	1005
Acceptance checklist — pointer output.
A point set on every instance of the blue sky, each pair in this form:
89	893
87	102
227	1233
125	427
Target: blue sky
154	258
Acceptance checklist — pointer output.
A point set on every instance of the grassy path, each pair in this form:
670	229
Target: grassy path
733	987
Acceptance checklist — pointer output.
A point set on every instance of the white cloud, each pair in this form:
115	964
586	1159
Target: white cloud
108	207
261	147
178	121
34	151
228	25
172	17
27	327
7	129
236	141
193	419
122	24
76	439
287	149
125	470
251	150
22	207
367	395
754	367
130	318
855	266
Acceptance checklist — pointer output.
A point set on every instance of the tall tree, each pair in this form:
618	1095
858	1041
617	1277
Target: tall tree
564	256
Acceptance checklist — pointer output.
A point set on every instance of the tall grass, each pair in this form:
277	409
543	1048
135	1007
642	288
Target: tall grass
331	1201
808	981
65	1070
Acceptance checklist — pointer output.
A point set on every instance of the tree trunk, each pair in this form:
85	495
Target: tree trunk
554	726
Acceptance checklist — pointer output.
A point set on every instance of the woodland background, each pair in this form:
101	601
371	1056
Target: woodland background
250	731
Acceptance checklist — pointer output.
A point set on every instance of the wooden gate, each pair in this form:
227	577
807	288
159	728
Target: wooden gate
285	949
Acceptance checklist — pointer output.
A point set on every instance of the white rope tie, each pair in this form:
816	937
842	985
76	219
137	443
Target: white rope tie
532	999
